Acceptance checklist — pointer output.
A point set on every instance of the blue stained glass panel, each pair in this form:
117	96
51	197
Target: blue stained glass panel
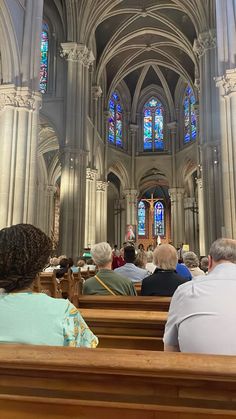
147	130
153	126
43	75
159	219
115	121
190	122
141	219
159	143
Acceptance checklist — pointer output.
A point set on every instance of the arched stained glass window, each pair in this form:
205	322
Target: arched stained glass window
190	123
141	219
159	219
153	126
115	129
43	78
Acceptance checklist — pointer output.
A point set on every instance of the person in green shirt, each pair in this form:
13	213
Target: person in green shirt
106	281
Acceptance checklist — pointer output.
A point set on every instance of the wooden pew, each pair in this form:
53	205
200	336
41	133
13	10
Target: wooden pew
46	282
39	382
127	329
124	302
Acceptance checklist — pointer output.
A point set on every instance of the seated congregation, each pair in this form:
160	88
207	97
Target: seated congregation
128	329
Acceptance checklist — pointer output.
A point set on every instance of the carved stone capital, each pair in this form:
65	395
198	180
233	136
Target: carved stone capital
19	97
227	82
172	126
204	42
133	128
101	186
91	174
72	51
96	92
51	189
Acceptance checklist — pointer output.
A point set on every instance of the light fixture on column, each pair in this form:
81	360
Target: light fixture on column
215	157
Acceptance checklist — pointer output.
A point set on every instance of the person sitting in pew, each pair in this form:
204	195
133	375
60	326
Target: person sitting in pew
34	318
164	280
129	270
202	312
106	281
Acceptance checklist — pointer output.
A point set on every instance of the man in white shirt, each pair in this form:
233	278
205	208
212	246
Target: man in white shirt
129	270
202	313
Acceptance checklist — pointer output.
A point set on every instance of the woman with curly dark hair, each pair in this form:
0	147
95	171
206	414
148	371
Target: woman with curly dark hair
27	317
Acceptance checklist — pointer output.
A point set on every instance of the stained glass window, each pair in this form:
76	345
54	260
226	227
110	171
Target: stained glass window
43	78
141	219
115	128
190	123
153	125
159	219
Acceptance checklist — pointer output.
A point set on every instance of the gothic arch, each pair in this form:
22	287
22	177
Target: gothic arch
119	170
9	50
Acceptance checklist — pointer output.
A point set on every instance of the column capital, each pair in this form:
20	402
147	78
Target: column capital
176	193
101	186
96	92
21	98
227	82
199	183
205	41
172	126
72	51
133	128
51	189
91	174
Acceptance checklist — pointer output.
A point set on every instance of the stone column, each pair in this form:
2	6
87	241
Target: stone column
73	151
134	139
177	215
90	209
131	206
19	110
203	250
96	93
191	215
227	90
226	82
172	126
101	211
205	49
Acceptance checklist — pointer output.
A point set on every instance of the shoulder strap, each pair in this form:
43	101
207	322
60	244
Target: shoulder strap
104	285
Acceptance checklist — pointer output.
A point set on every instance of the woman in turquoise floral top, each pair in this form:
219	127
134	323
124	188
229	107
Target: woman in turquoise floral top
27	317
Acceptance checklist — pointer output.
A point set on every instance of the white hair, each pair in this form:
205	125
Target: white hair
101	253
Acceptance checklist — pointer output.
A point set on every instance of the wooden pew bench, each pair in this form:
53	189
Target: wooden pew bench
39	382
123	302
127	329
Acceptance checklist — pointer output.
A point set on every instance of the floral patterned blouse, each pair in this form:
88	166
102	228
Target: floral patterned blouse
37	319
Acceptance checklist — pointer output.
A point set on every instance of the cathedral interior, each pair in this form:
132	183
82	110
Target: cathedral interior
118	114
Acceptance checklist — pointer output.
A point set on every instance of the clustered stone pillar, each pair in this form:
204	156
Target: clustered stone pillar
131	206
190	211
205	49
202	242
177	215
226	82
101	211
19	111
73	151
90	209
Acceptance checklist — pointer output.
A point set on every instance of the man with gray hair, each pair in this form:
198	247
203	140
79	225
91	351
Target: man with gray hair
106	281
202	313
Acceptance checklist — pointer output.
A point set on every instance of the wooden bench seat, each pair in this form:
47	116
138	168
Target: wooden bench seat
39	382
123	302
127	329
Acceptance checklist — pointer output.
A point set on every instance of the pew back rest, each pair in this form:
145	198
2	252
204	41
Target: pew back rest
73	382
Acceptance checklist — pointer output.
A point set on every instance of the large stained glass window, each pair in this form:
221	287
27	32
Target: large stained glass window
153	126
115	129
190	123
159	219
43	78
141	219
